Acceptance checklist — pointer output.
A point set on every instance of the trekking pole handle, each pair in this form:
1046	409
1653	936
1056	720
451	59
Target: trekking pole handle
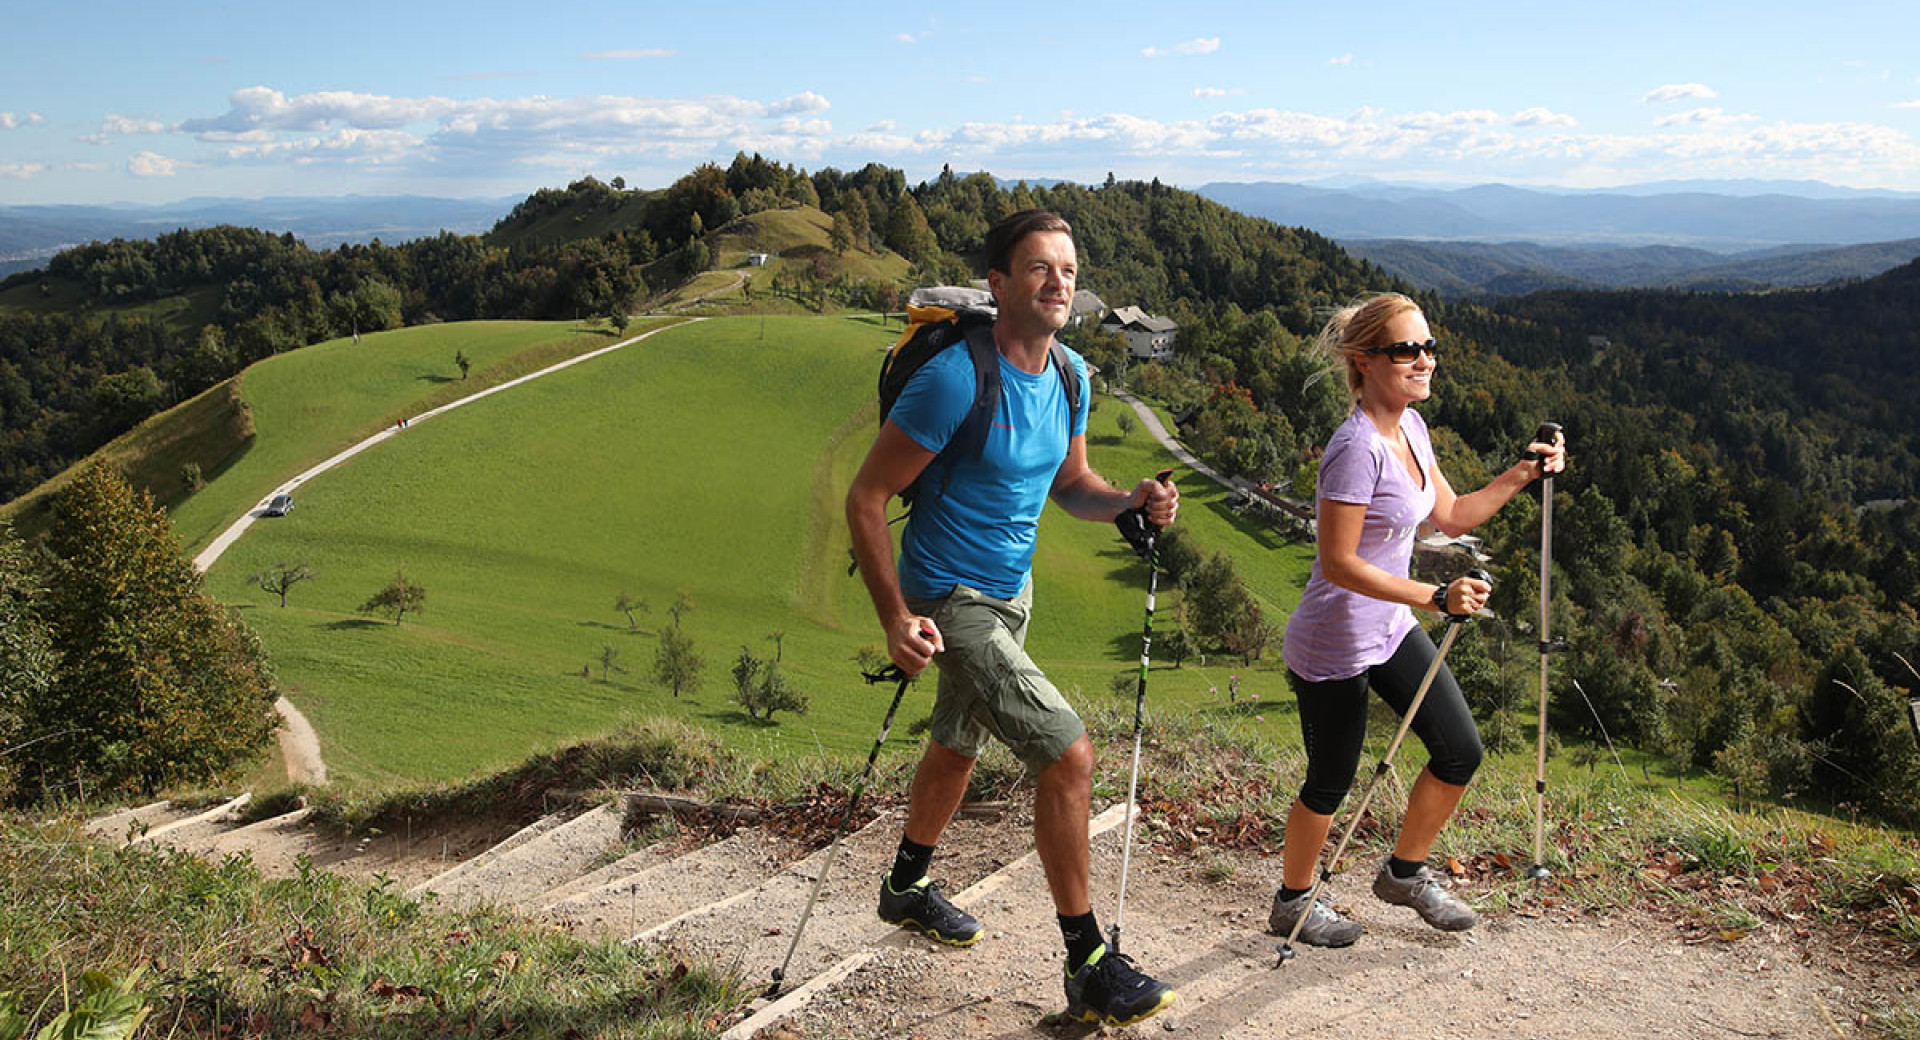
1477	574
1546	434
1164	476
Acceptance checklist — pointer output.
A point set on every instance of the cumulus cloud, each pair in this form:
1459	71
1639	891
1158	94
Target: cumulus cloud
1915	103
805	101
1344	59
630	54
1678	92
263	108
119	124
22	171
1703	117
1207	92
1543	117
116	125
1201	45
344	128
152	164
348	145
11	121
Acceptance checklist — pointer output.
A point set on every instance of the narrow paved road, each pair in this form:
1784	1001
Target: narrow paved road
299	744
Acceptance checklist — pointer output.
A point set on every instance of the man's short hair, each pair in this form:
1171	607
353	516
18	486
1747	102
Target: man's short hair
1003	237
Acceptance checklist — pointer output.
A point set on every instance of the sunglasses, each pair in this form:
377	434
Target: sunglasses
1404	353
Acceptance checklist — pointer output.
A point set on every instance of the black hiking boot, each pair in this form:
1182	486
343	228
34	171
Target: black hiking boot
1108	989
923	907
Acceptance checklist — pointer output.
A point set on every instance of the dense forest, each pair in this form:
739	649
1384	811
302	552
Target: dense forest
1734	559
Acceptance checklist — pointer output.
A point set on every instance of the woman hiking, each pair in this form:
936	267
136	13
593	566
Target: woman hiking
1354	628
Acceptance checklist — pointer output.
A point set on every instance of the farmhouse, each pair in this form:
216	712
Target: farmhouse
1147	335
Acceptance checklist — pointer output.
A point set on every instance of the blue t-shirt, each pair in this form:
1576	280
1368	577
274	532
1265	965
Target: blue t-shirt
977	528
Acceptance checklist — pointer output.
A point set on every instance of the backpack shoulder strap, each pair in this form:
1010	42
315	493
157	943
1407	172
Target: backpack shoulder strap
1068	378
970	440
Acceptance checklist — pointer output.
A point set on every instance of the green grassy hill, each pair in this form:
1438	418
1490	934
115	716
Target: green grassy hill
182	313
207	431
792	238
318	400
567	218
710	458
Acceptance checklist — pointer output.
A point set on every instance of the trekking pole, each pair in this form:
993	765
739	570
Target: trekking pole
1547	434
1151	538
890	673
1454	621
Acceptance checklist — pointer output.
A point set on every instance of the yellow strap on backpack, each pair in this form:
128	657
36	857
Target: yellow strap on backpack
917	316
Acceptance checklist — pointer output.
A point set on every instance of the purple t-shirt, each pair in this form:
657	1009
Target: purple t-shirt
1335	633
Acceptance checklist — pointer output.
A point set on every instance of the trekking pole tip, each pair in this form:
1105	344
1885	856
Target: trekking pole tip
1286	953
1539	872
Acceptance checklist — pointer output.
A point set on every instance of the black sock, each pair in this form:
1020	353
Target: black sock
1082	934
909	864
1403	869
1293	893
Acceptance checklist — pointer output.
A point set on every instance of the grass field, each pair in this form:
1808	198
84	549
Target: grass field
711	458
310	403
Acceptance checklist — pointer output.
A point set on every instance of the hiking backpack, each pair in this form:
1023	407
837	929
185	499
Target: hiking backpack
942	318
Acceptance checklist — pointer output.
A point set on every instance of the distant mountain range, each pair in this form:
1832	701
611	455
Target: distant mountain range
1738	216
1464	242
29	235
1474	270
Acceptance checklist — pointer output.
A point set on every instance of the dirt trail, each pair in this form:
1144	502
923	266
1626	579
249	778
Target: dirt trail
1558	975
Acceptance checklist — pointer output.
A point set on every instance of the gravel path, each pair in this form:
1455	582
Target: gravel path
1553	976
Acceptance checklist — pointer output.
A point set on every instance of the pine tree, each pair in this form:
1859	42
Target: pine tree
157	684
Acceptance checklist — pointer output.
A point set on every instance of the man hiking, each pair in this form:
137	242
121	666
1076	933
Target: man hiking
963	593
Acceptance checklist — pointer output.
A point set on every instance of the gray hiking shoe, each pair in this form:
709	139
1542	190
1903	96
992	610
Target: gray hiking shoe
1324	927
1427	893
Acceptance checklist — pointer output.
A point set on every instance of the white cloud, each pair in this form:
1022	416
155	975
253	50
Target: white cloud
470	135
1209	92
1915	103
263	108
885	126
119	124
348	145
1532	117
1201	45
1679	92
22	171
10	121
630	54
151	164
1703	117
1344	59
805	101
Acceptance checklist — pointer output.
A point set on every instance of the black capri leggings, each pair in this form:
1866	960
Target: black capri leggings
1333	719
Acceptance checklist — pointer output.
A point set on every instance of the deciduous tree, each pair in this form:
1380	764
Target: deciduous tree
281	578
676	665
158	683
397	599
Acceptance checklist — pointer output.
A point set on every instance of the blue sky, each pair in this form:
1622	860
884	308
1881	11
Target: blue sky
116	101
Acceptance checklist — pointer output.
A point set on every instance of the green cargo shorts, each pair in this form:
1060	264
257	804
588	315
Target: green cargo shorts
989	687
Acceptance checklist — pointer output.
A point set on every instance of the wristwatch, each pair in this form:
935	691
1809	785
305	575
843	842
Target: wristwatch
1440	599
